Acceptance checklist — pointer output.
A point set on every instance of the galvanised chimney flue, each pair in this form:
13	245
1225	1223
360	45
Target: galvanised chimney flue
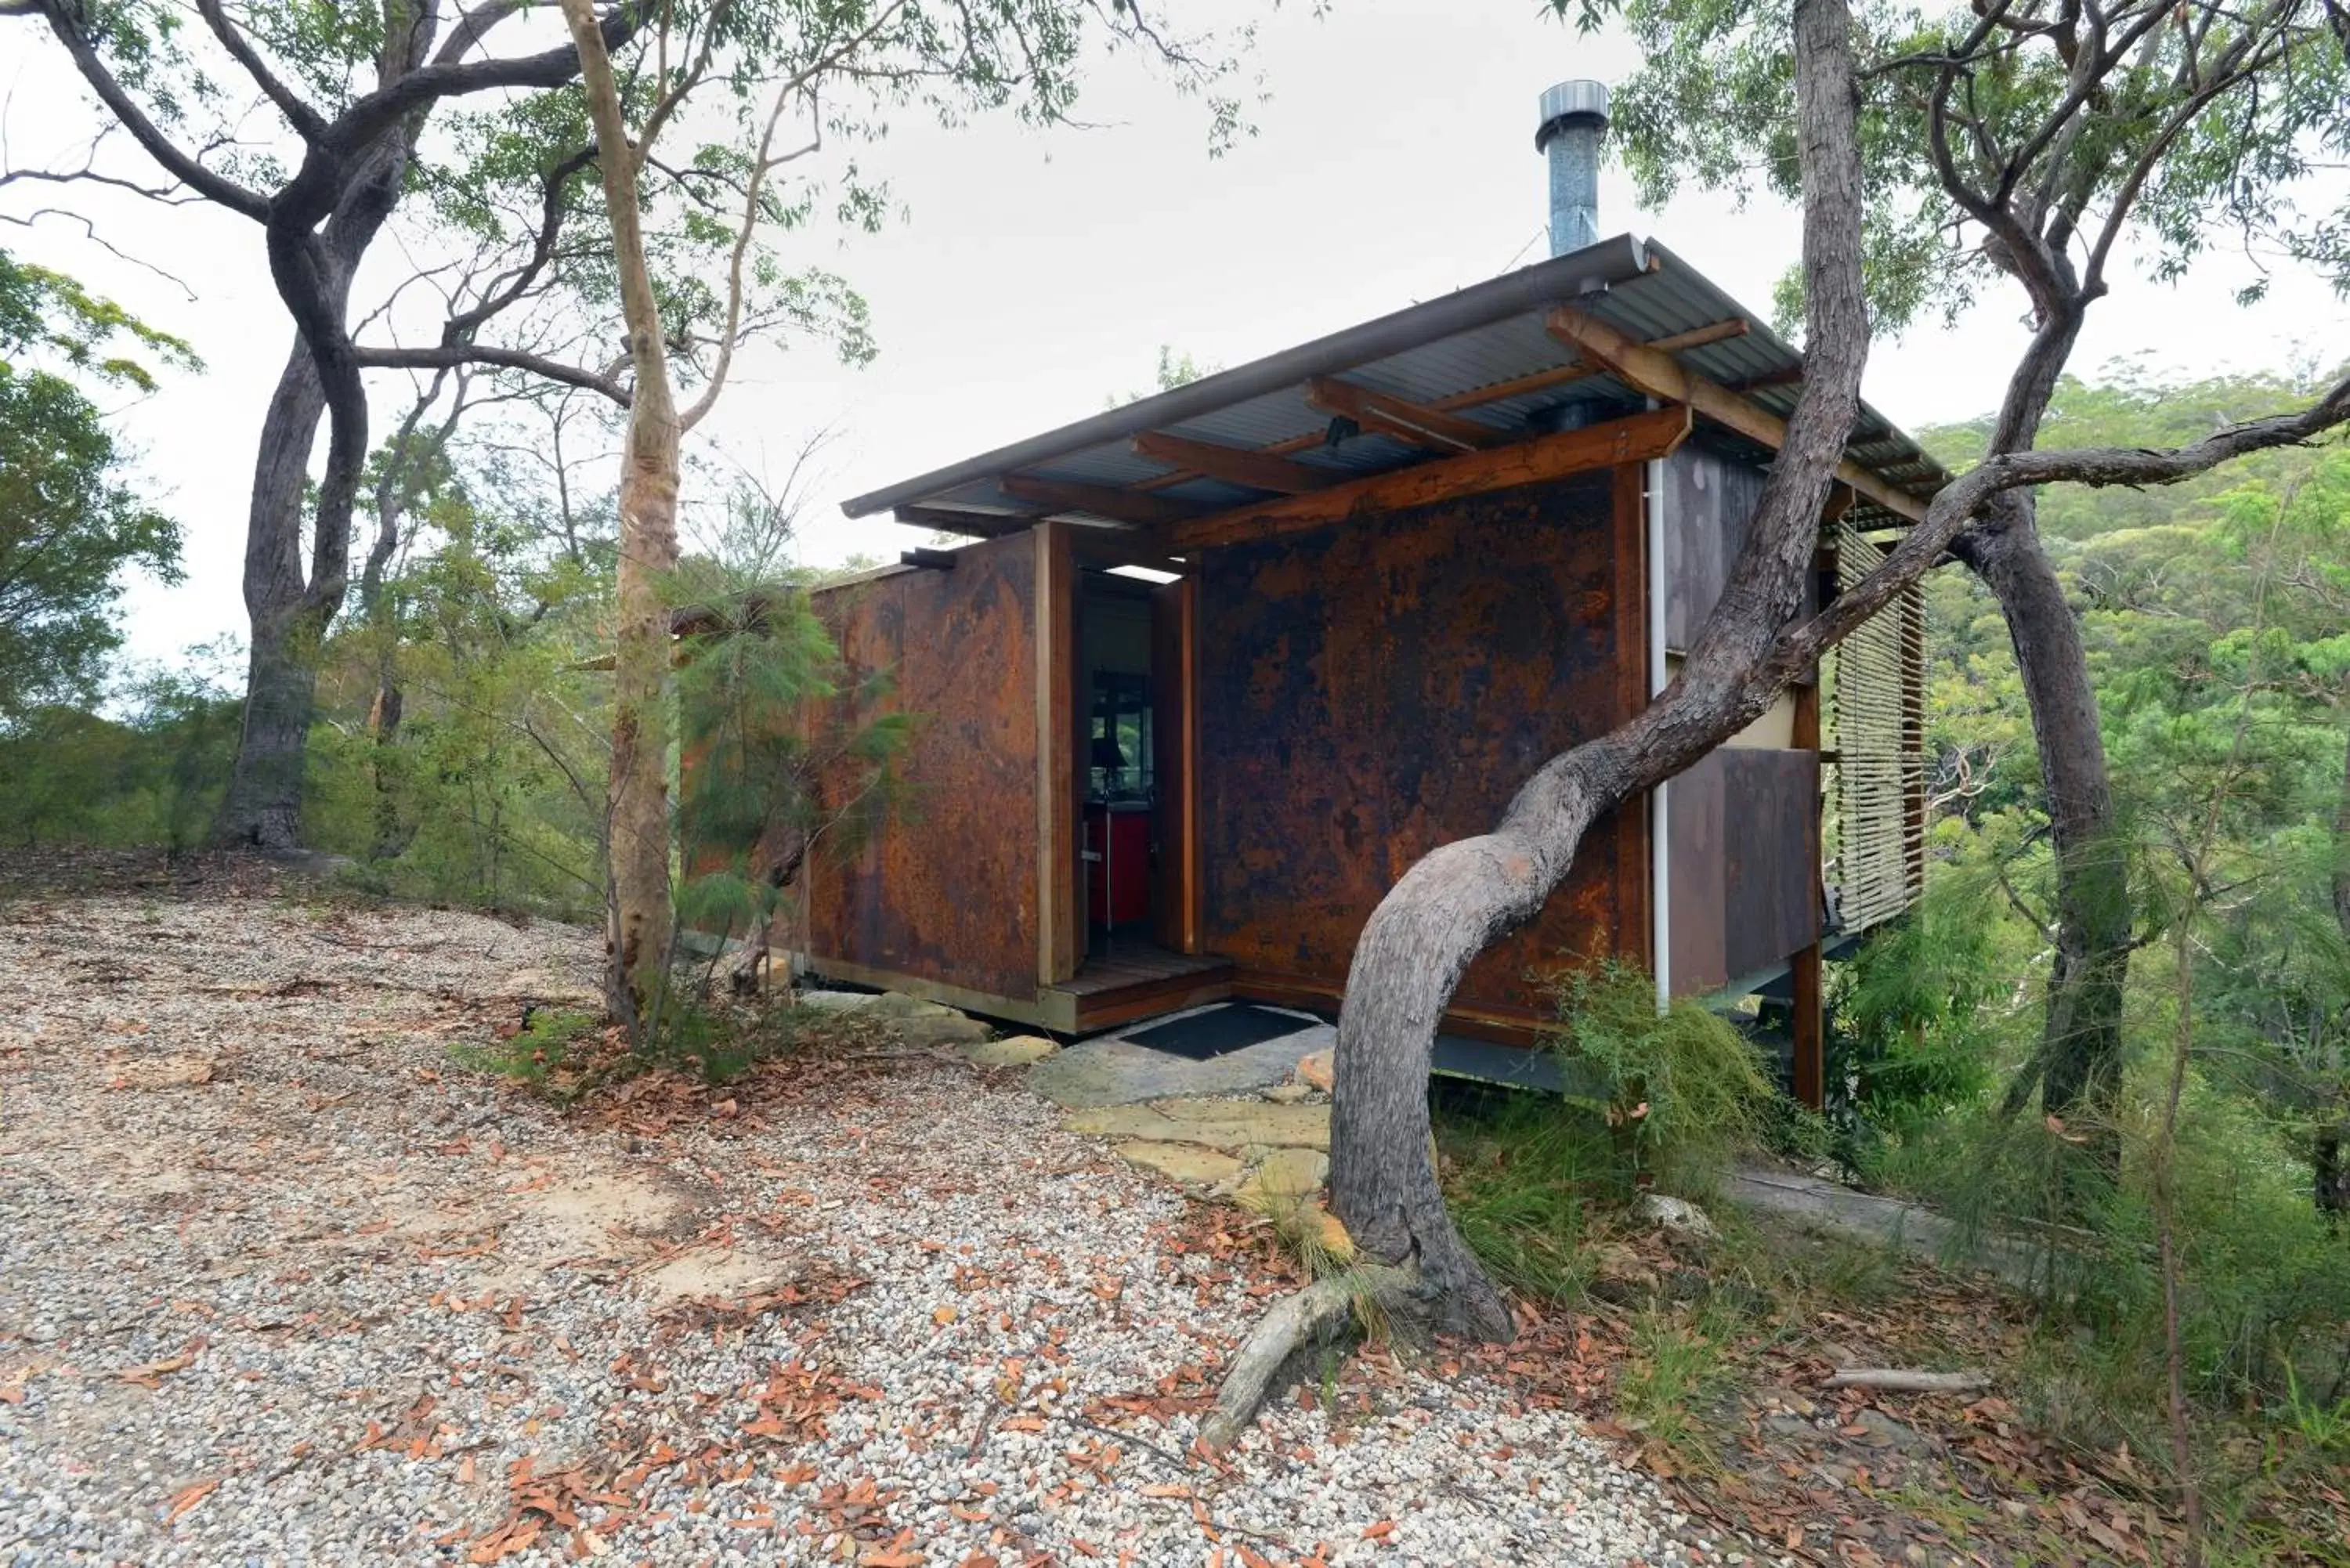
1574	122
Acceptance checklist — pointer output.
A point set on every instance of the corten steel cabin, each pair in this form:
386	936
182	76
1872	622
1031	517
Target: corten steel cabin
1396	569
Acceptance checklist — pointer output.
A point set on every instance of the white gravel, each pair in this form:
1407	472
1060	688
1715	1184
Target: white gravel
343	1300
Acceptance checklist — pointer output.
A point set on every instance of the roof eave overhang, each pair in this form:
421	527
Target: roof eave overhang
1557	281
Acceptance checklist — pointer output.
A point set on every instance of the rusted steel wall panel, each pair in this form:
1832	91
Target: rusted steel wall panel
1709	505
947	890
1742	856
1369	691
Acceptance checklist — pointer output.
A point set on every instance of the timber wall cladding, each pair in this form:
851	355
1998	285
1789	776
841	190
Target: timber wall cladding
1709	502
1743	837
1372	690
947	889
1742	852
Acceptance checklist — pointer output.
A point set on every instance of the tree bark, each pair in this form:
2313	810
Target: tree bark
1420	937
319	228
2077	1066
263	809
1458	899
638	804
2079	1060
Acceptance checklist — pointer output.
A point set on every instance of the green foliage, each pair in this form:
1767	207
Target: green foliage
1679	1090
69	526
1713	105
539	1056
150	777
51	316
1177	367
1914	1032
1679	1367
1521	1175
786	759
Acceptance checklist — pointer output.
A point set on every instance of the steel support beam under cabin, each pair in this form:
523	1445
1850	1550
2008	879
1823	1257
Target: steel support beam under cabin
1646	368
1634	439
1408	423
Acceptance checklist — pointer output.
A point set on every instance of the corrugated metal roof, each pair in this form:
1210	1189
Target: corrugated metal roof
1432	353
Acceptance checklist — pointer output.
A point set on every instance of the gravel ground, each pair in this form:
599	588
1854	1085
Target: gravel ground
281	1281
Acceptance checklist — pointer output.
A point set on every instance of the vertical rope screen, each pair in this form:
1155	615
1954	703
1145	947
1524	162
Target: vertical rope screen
1875	683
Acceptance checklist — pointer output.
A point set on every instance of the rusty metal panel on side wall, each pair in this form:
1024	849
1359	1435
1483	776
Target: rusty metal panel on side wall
946	890
1371	690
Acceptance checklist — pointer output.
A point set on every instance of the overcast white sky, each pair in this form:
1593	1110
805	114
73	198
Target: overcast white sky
1036	274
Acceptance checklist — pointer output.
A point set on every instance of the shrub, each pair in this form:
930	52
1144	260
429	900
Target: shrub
1680	1089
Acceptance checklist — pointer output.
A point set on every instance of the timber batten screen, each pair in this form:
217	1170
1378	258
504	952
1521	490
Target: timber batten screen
1877	679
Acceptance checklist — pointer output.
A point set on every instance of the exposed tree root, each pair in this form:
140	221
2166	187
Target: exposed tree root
1316	1316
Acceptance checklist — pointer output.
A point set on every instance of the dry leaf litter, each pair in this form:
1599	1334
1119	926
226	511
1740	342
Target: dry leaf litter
282	1282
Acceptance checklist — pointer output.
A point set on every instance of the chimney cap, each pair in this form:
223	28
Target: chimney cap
1568	103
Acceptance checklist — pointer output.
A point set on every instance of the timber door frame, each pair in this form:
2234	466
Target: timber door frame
1057	779
1175	747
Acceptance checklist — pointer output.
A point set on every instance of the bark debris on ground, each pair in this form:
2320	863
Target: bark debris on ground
282	1279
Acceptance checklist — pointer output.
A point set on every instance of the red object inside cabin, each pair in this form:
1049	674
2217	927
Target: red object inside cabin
1118	864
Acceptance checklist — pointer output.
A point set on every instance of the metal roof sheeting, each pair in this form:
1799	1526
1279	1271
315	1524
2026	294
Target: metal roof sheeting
1479	337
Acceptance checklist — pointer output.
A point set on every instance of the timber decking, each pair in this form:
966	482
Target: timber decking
1136	979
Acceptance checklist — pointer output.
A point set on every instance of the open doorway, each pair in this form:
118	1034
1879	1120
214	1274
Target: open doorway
1118	749
1136	878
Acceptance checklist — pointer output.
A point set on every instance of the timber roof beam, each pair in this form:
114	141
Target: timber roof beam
1134	506
1636	438
1646	368
1408	423
1699	336
1238	465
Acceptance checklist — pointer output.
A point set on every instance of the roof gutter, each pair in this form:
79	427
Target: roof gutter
1590	270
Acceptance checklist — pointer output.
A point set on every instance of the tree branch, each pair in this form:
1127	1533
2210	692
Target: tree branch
368	117
1957	502
307	121
65	20
446	355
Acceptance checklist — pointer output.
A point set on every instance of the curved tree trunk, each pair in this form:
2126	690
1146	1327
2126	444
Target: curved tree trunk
319	228
2078	1065
263	809
2080	1053
1457	900
1416	945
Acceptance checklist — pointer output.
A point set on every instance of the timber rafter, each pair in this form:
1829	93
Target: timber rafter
1636	438
1645	368
1240	465
1413	423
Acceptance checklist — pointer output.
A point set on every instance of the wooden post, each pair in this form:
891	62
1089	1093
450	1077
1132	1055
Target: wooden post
1059	938
1810	1031
1809	1019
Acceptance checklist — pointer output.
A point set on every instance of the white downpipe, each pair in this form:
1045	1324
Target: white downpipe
1660	888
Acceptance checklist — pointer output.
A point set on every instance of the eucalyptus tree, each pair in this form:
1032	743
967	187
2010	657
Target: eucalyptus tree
309	119
2039	144
789	75
1454	902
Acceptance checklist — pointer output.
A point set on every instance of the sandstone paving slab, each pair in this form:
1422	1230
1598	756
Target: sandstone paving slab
1186	1162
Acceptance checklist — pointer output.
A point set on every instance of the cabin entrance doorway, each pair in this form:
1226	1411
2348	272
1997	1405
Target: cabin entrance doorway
1130	702
1132	877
